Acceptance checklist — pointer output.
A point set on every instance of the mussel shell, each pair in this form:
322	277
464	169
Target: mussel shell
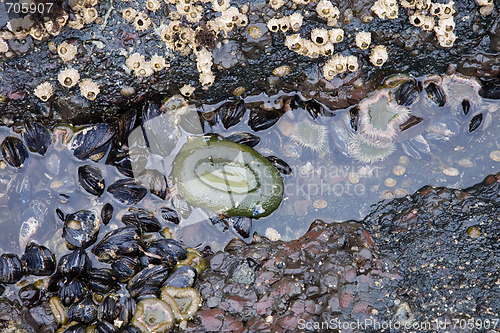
81	228
29	295
280	165
354	120
315	109
466	106
127	307
74	264
75	328
153	275
91	142
170	250
263	119
91	179
490	90
120	159
232	113
14	151
244	138
142	219
125	267
108	310
183	277
118	242
144	292
105	327
11	268
130	329
37	137
84	311
436	93
155	181
412	121
106	213
242	225
407	93
72	290
126	124
100	280
128	191
475	122
170	215
39	260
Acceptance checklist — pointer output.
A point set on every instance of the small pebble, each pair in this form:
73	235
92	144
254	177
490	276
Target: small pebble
238	91
374	188
387	195
450	171
320	203
403	160
400	192
272	234
390	182
495	155
353	177
398	170
465	163
269	319
282	71
473	232
127	91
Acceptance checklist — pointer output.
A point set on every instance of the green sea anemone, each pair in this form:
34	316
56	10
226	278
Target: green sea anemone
227	178
369	150
310	135
153	315
184	302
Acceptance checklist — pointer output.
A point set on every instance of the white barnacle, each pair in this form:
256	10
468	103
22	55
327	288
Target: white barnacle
135	61
319	36
284	23
68	77
89	15
66	51
153	5
428	24
145	70
187	90
423	4
142	21
379	55
44	91
417	18
352	63
447	24
326	49
194	15
38	33
220	5
335	65
157	63
336	35
129	14
276	4
89	89
325	9
294	43
296	21
446	39
273	25
408	4
363	39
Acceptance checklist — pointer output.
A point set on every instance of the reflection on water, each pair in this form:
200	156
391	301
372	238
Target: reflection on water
327	182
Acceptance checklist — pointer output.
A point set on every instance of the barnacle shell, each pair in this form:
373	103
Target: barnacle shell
129	13
153	5
194	15
428	24
44	91
363	39
157	63
296	21
89	15
327	49
4	47
142	21
336	35
187	90
379	55
220	5
325	9
284	23
276	4
89	89
273	25
144	70
385	8
135	61
408	3
335	65
484	2
319	36
447	24
38	33
66	51
352	63
68	77
417	19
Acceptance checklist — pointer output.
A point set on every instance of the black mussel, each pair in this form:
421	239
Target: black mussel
280	165
315	109
126	124
14	151
155	181
183	277
106	213
169	250
130	329
91	179
412	121
118	242
354	118
2	289
105	327
55	282
244	138
100	280
84	312
242	225
92	142
120	159
60	214
153	275
81	228
125	267
72	290
232	113
490	90
145	291
142	219
128	191
170	215
436	93
74	264
466	106
39	260
407	93
127	307
75	328
261	119
109	309
37	137
150	111
29	296
475	122
11	268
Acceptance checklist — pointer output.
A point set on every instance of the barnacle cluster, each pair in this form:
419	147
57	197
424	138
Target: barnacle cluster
386	9
142	68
